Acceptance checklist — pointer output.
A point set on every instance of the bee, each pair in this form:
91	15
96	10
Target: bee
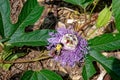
57	50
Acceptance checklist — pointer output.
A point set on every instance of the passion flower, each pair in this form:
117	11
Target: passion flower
67	47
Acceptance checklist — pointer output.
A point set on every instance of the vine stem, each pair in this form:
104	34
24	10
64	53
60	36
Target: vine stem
93	8
85	15
25	61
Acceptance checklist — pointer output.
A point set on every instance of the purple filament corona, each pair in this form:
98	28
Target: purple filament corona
67	47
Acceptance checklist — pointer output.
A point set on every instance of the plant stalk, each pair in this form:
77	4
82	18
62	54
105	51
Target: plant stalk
93	8
24	61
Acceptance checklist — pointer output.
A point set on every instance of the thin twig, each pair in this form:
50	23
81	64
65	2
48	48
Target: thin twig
93	8
24	61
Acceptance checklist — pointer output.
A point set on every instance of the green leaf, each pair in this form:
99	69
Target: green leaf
40	75
116	13
82	3
30	13
105	42
35	38
5	13
50	75
1	27
111	65
88	69
104	17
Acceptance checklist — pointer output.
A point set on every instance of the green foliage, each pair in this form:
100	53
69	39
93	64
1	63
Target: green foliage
35	38
111	65
82	3
88	69
30	13
5	13
116	13
40	75
105	42
104	17
15	35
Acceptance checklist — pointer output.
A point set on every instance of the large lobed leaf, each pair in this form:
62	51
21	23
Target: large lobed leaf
111	65
7	29
15	34
88	69
35	38
105	42
82	3
30	13
40	75
116	13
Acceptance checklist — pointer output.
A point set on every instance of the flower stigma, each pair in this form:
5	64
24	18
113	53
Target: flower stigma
69	41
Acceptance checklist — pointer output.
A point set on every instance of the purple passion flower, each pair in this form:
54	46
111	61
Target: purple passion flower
67	47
